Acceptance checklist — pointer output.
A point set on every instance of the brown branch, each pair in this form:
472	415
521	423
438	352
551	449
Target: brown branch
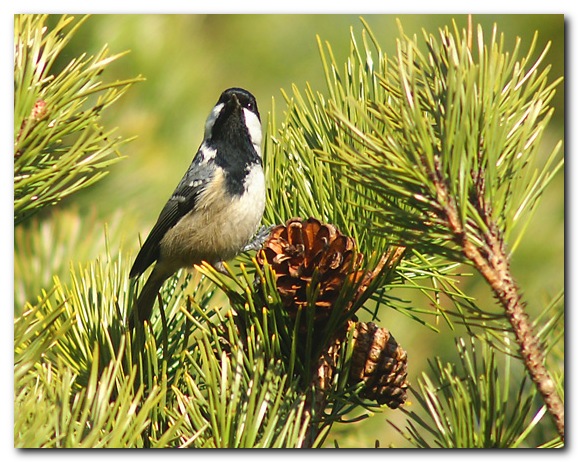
317	398
493	264
497	273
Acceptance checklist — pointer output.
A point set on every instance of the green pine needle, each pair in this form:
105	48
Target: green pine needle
471	404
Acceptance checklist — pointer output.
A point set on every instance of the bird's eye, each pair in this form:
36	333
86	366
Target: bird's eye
249	105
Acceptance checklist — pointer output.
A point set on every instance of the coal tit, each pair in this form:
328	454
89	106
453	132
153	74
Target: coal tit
218	204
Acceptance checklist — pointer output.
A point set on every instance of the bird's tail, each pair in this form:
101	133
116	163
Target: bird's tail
143	306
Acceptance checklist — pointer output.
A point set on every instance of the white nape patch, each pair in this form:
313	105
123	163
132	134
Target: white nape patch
254	127
211	120
207	152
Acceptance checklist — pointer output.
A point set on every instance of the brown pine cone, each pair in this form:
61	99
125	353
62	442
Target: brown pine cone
298	248
380	363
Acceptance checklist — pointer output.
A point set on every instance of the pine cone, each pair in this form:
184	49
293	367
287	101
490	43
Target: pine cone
381	363
298	248
296	251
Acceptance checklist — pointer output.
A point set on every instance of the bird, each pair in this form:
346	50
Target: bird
216	207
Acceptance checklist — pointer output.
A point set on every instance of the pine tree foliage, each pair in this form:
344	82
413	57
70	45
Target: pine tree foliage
74	384
45	247
439	148
305	184
472	116
364	131
474	404
222	363
59	144
209	376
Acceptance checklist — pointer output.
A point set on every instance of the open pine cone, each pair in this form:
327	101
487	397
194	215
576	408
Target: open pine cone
298	248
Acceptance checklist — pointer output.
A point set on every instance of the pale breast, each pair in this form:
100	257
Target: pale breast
220	226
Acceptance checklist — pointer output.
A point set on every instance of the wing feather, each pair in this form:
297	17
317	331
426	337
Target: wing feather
182	201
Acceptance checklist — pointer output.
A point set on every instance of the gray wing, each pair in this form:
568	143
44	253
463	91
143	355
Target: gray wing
182	201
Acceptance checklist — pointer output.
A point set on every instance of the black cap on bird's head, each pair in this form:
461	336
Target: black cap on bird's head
235	115
240	97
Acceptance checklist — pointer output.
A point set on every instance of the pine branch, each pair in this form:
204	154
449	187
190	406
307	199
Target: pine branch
309	158
59	143
493	265
308	284
445	145
59	403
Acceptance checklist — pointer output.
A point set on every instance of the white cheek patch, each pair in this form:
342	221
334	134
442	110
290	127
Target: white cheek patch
211	120
254	127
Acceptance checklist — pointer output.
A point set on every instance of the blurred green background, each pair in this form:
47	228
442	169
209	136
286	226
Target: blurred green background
187	61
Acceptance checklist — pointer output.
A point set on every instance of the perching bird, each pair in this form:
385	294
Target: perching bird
217	206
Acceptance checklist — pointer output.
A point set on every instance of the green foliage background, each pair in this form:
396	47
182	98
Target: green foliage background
187	61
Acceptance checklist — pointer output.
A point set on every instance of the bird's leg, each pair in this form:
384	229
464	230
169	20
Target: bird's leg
257	242
220	267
